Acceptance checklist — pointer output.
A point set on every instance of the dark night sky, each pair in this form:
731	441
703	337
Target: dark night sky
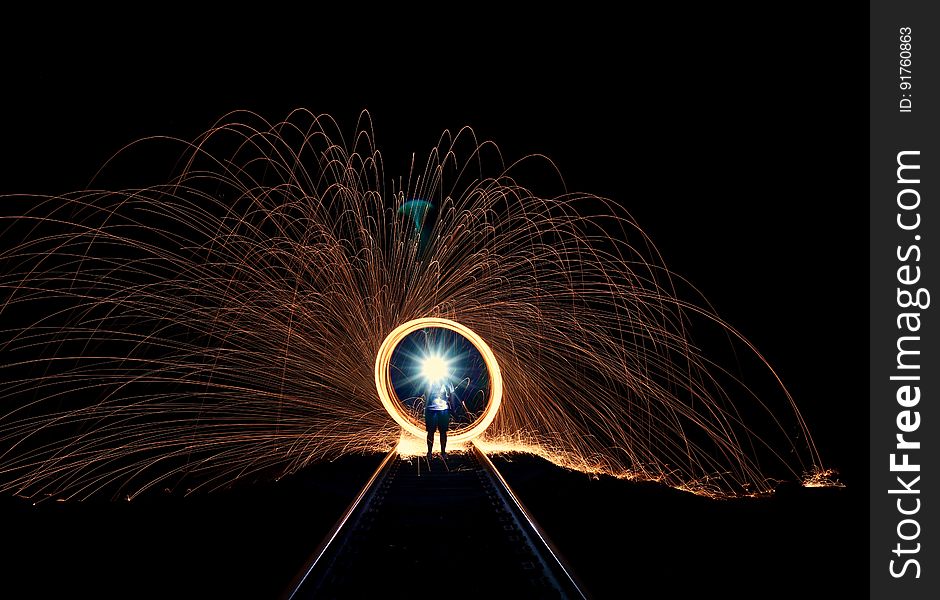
738	146
741	160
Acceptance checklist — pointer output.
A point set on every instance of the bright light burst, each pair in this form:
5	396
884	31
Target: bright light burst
435	368
227	322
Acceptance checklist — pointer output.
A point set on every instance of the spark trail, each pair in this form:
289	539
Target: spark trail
227	321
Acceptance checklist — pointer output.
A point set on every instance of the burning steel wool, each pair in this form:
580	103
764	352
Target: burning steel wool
229	322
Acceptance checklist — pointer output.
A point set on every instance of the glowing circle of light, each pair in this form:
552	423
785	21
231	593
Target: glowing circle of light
387	394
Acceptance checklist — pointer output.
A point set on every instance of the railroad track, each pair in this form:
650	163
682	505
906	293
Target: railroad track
444	529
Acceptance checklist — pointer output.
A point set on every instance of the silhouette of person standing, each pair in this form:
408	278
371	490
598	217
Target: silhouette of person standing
437	415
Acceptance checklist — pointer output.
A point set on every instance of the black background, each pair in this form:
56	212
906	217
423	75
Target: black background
735	140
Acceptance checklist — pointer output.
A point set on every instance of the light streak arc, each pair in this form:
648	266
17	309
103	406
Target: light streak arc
226	322
386	391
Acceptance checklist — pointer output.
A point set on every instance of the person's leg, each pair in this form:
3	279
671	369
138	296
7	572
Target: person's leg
430	423
443	421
